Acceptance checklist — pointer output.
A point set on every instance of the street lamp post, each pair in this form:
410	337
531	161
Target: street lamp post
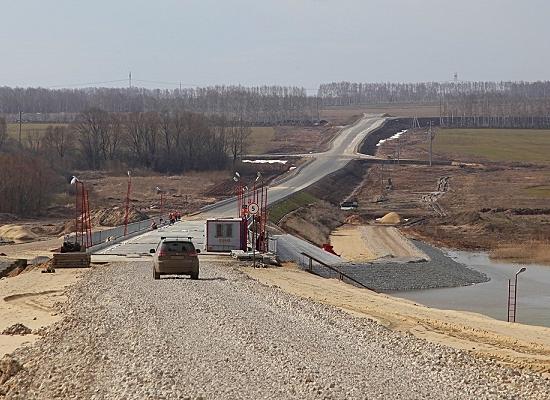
161	193
512	295
127	203
83	225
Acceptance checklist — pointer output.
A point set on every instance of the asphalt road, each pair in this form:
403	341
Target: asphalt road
342	151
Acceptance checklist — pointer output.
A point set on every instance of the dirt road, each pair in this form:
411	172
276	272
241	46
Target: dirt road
370	242
227	336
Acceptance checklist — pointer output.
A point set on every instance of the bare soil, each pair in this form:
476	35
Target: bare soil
185	193
302	139
488	205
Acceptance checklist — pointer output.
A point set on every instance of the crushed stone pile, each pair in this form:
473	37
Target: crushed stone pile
9	366
17	329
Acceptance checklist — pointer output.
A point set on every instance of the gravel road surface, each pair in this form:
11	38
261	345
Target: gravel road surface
126	336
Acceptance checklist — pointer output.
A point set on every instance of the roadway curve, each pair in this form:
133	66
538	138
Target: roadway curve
343	149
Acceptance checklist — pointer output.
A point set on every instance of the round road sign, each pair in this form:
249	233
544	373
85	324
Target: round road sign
253	208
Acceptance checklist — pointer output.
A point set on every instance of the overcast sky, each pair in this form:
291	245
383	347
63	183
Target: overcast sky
292	42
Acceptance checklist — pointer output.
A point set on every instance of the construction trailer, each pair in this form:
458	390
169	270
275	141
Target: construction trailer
226	234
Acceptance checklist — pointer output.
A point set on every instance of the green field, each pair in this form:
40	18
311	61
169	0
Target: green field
260	139
292	203
29	128
513	145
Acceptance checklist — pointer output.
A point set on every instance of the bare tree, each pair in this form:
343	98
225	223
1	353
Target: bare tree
238	138
3	132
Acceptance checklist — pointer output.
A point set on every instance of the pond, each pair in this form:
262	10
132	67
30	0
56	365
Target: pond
491	298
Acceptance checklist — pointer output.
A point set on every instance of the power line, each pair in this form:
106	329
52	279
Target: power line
85	84
130	80
167	83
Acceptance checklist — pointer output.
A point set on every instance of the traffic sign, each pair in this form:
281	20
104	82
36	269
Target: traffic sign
253	208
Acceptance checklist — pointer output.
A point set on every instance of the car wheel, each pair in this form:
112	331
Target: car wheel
156	275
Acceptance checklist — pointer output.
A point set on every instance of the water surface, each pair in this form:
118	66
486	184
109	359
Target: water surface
491	298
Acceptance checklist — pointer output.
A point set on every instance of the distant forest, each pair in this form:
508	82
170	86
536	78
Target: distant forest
262	105
463	104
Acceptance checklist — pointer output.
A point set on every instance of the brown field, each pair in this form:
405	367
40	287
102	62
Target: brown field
290	139
347	114
29	128
495	205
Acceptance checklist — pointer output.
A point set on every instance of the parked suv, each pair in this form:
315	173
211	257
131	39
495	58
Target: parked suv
175	256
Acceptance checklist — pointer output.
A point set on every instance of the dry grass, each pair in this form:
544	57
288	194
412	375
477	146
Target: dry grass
537	252
261	139
29	128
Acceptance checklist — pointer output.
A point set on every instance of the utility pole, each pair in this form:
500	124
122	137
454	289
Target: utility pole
130	79
318	112
20	125
431	139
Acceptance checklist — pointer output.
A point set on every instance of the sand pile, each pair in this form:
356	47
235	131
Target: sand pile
49	229
17	233
390	218
115	216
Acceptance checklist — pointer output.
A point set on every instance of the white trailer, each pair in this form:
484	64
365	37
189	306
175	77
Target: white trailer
225	234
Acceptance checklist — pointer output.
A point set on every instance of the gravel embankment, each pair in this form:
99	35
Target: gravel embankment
439	272
228	337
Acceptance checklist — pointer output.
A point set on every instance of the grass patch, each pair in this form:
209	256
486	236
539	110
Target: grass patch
530	252
261	138
300	199
29	128
542	191
511	145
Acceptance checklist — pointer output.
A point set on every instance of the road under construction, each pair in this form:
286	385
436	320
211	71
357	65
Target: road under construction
343	149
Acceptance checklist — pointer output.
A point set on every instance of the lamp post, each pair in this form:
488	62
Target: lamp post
82	214
127	203
161	193
239	194
76	182
512	296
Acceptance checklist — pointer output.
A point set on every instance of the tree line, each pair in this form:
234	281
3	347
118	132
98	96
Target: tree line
164	142
461	104
261	105
172	142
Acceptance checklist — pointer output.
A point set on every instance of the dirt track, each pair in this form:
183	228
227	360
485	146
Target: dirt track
370	242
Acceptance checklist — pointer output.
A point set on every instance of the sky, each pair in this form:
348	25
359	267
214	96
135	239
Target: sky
62	43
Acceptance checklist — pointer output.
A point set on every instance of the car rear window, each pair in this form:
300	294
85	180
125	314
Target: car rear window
177	247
